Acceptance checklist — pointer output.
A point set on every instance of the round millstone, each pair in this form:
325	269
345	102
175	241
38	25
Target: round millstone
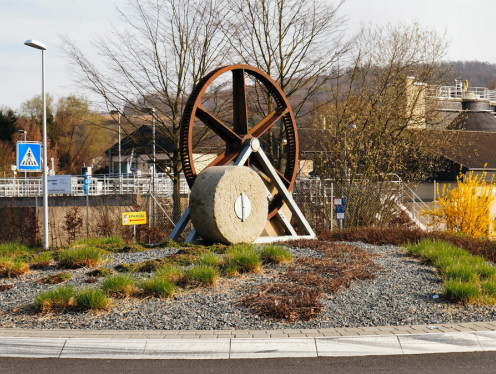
228	204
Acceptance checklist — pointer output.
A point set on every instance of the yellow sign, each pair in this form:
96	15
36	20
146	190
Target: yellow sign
134	218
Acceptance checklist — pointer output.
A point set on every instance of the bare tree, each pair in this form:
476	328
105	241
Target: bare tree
168	46
296	42
79	133
376	123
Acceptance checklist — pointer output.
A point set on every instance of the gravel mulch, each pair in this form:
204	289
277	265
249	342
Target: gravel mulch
403	292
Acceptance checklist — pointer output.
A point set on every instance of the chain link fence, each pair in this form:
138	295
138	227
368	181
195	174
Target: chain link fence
95	209
389	202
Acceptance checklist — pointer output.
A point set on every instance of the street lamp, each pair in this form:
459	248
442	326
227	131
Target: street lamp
114	112
38	45
151	110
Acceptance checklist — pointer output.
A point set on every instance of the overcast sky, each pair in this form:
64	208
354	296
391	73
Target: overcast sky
468	25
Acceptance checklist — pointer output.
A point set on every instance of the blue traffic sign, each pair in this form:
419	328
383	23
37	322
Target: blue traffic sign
340	208
28	156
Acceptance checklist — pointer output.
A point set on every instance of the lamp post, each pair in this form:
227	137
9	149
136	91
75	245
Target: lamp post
151	110
114	112
38	45
21	132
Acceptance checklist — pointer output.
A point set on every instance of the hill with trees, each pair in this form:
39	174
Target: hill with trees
478	74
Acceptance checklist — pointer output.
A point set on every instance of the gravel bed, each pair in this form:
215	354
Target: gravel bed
402	293
134	257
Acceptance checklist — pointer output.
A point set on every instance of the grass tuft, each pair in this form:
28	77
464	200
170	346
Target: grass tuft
201	276
56	279
107	242
173	274
54	299
241	258
149	266
158	286
91	298
41	260
275	254
460	291
209	259
102	272
12	267
120	285
126	268
75	258
488	288
169	243
15	250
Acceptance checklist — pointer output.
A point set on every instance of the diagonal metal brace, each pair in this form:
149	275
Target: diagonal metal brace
281	188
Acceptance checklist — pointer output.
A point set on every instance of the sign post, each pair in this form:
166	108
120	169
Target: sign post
28	156
340	204
134	218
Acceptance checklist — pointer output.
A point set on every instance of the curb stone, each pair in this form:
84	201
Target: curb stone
233	344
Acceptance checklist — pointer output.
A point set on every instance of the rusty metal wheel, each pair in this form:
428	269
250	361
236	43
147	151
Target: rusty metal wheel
240	127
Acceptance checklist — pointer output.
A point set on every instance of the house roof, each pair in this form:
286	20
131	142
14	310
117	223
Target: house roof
474	121
140	141
472	149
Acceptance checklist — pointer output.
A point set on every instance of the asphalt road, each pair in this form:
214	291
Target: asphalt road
453	363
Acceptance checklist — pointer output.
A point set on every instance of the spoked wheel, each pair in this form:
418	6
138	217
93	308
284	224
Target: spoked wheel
240	126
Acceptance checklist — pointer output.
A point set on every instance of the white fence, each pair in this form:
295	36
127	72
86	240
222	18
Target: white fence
96	185
457	92
311	192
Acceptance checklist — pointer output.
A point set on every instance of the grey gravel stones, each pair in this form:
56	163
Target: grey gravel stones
401	294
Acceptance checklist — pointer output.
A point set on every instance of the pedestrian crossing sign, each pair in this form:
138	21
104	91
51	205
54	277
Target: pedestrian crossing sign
29	156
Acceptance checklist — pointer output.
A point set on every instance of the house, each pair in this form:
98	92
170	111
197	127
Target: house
471	145
136	152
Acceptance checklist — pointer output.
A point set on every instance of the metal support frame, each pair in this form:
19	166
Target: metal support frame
253	146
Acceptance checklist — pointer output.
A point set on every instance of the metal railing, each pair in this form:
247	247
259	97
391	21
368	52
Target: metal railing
412	204
457	92
314	193
98	185
320	192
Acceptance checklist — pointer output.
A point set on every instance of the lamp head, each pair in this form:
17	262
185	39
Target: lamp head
149	110
35	44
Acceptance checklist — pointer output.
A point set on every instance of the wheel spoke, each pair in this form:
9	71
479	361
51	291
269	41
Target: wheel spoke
240	112
217	126
222	159
260	128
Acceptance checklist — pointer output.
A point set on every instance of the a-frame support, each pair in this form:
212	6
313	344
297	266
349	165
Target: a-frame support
253	146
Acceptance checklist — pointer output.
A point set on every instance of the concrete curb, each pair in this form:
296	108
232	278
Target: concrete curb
118	344
236	334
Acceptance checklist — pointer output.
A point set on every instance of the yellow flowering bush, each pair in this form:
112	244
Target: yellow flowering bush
467	207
